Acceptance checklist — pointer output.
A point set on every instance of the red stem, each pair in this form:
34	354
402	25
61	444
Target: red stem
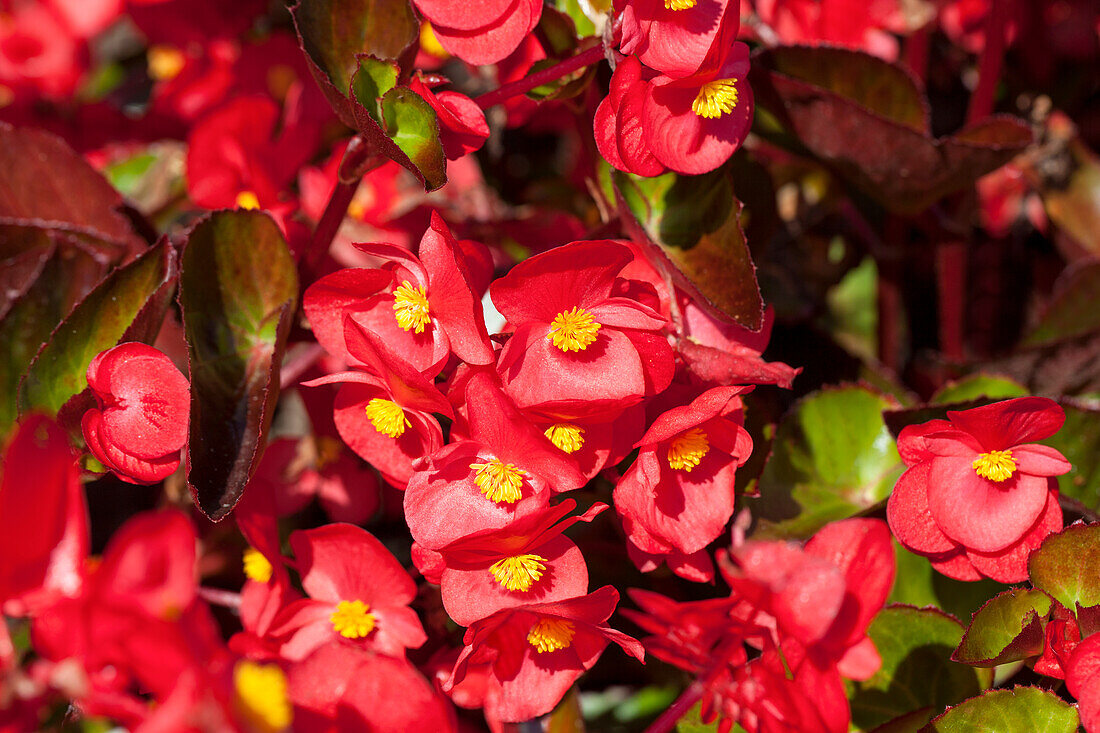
527	83
951	292
889	294
916	51
678	709
219	597
989	63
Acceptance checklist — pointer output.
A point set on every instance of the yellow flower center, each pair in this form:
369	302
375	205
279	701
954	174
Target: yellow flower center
715	98
410	307
679	4
165	62
519	572
429	43
573	330
261	695
387	417
499	481
566	436
247	200
996	465
551	634
353	619
687	449
328	449
256	566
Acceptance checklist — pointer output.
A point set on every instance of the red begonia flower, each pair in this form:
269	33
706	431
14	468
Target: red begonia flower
481	33
462	125
1083	681
694	124
578	347
725	353
423	307
617	126
527	562
358	594
591	442
385	414
38	53
538	651
853	23
43	519
679	493
141	422
978	497
342	688
674	36
504	472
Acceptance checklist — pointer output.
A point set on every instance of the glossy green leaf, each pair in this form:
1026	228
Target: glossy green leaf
1079	442
238	288
867	120
694	221
372	80
1006	629
832	458
917	671
979	387
412	124
1074	308
129	305
1019	710
1065	566
917	584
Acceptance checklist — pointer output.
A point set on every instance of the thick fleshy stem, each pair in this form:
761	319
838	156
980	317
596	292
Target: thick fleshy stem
989	63
547	75
357	163
678	709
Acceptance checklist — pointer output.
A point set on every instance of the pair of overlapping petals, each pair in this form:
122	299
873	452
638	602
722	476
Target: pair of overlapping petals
141	422
979	496
481	33
678	496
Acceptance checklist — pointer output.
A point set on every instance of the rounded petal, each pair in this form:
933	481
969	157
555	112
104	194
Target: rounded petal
909	517
1040	460
1010	564
1011	422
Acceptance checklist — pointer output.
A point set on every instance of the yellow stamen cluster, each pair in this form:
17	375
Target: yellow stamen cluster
248	200
518	572
715	98
256	566
566	436
352	619
165	62
679	4
687	449
387	417
573	330
996	465
551	634
410	307
261	696
499	481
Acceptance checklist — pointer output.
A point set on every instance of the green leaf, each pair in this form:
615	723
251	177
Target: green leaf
238	289
129	305
1006	629
693	723
412	124
1019	710
1079	442
1074	308
372	80
917	672
832	458
566	717
694	221
917	584
979	386
1065	566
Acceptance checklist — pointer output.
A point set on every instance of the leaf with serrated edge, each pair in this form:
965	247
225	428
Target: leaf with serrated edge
238	289
1019	710
1009	627
1065	566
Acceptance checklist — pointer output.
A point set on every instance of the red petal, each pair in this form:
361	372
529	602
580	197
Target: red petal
1010	564
1040	460
909	517
1011	422
342	562
491	43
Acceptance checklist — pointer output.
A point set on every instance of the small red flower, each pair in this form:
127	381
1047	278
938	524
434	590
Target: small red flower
539	650
481	33
358	594
674	36
678	495
978	496
578	345
617	126
141	423
527	562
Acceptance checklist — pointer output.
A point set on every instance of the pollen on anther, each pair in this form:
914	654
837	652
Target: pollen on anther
687	449
715	98
387	417
679	4
256	566
519	572
573	330
566	436
499	481
410	307
262	695
352	619
996	465
550	634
